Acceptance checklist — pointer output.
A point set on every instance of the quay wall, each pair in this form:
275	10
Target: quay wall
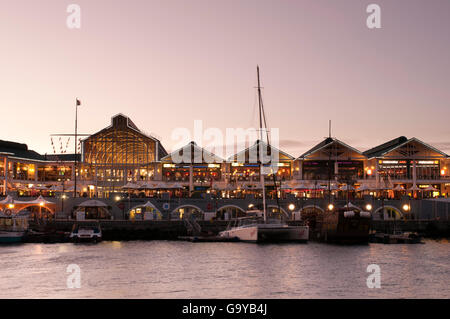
171	230
417	209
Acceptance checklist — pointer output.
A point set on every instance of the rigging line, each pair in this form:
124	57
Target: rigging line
268	144
252	118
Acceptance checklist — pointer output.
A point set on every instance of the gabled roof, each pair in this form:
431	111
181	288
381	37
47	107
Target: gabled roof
121	120
197	154
385	147
255	148
325	143
394	144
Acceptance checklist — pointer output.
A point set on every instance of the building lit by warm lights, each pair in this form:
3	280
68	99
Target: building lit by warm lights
121	153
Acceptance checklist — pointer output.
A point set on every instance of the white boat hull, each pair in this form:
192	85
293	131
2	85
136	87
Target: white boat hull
249	234
268	233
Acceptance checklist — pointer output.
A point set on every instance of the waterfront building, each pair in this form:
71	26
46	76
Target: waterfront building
193	167
244	166
25	170
118	154
332	160
409	164
122	154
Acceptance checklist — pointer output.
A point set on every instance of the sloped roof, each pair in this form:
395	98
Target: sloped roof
391	145
120	120
197	154
326	142
19	150
385	147
255	147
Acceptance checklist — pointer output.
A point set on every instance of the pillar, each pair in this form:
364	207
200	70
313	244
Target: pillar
191	178
377	173
300	169
5	180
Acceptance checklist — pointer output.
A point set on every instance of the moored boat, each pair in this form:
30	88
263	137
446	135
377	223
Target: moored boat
255	229
396	238
86	233
12	228
346	225
256	226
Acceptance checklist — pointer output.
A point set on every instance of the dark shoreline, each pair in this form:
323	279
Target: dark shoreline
56	231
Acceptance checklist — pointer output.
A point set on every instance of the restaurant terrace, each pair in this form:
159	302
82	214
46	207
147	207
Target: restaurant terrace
122	159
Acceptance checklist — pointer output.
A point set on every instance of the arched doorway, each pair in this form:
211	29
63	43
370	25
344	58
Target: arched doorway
36	212
186	211
273	211
388	213
146	211
230	211
311	214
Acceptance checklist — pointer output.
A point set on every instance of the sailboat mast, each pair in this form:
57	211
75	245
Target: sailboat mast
261	176
259	105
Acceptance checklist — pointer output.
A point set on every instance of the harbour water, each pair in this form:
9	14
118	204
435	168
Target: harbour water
172	269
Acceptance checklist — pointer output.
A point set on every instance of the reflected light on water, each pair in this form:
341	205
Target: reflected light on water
165	269
38	249
116	244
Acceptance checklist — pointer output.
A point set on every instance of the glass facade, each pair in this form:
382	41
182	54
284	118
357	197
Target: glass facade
54	173
118	154
176	172
403	169
324	170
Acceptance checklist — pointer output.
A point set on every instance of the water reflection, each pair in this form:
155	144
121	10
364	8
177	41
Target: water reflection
163	269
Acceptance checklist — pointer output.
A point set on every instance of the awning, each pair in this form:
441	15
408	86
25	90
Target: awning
130	185
92	203
9	200
41	201
414	188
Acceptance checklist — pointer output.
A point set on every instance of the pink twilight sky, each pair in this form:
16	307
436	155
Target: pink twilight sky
167	63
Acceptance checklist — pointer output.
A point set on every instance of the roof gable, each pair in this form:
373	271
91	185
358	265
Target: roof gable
251	154
191	153
414	148
403	147
385	147
332	147
120	121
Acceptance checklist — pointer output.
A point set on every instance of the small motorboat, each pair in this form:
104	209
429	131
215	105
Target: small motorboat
397	237
86	233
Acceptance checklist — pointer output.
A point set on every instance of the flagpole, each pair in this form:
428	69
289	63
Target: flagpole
75	161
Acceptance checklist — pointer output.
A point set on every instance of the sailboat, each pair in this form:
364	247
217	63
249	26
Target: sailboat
256	227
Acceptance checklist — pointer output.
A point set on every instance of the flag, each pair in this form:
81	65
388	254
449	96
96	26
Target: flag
78	102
